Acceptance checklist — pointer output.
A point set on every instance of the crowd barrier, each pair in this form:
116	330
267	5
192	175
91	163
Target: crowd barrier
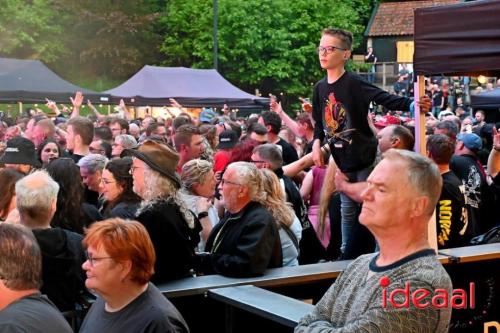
274	301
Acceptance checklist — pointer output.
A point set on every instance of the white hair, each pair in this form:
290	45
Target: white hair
93	163
36	195
250	177
126	140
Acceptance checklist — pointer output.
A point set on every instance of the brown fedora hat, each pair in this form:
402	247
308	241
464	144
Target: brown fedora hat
159	157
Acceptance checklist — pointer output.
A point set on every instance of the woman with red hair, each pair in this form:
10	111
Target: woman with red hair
120	262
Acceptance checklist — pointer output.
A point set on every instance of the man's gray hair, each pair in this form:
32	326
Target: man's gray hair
271	153
250	176
93	163
35	195
423	174
127	141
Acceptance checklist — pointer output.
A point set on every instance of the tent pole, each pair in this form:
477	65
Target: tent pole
20	108
109	109
419	90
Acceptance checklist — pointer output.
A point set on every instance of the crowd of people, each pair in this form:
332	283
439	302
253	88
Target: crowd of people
116	204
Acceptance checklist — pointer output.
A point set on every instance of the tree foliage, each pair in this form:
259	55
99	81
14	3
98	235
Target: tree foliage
30	30
263	44
269	45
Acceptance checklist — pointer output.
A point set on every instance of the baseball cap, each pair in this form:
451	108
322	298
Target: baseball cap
20	150
206	115
471	141
387	120
227	139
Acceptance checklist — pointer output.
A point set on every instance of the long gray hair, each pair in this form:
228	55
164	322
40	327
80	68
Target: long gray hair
160	188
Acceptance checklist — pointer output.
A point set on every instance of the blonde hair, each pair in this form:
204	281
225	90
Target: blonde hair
194	172
275	201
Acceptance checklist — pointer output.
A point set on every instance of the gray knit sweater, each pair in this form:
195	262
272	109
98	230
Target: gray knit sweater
354	302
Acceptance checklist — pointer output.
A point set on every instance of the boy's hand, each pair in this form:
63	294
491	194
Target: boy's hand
424	103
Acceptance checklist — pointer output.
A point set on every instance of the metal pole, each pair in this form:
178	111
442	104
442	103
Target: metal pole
216	14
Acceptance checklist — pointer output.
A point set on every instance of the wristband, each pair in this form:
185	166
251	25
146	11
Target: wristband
202	215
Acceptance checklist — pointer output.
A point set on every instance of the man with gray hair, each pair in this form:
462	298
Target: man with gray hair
62	251
246	240
91	167
122	141
401	196
22	307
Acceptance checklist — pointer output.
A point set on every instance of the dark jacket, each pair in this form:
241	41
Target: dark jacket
242	244
123	210
62	259
173	240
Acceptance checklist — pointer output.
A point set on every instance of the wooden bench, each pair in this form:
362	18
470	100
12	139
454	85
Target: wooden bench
281	309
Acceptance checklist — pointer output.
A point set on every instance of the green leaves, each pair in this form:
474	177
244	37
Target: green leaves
269	45
263	44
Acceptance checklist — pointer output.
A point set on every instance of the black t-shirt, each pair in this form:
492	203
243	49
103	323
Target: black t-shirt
33	313
437	98
451	215
340	111
76	158
149	312
467	169
370	59
288	152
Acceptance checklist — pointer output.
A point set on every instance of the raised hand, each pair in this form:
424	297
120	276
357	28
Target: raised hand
78	100
275	106
496	138
51	105
174	103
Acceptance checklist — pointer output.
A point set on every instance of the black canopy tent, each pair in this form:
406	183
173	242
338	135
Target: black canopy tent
154	85
460	39
487	100
30	81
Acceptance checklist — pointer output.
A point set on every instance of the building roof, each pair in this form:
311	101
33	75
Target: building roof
396	18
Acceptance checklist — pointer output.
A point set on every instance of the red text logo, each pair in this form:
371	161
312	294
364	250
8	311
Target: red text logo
423	298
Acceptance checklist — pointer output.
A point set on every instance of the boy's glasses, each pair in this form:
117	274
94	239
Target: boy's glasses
328	49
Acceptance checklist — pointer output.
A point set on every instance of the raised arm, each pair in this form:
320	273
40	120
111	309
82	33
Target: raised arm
289	122
77	104
494	157
97	113
53	107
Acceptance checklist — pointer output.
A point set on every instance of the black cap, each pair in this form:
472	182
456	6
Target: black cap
227	139
20	151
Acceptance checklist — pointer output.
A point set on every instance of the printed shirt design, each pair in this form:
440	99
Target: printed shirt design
473	188
335	115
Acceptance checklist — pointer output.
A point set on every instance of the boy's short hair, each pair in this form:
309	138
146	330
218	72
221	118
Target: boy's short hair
83	127
344	36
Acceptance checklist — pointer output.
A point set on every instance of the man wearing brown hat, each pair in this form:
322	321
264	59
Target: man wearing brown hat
173	229
20	154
